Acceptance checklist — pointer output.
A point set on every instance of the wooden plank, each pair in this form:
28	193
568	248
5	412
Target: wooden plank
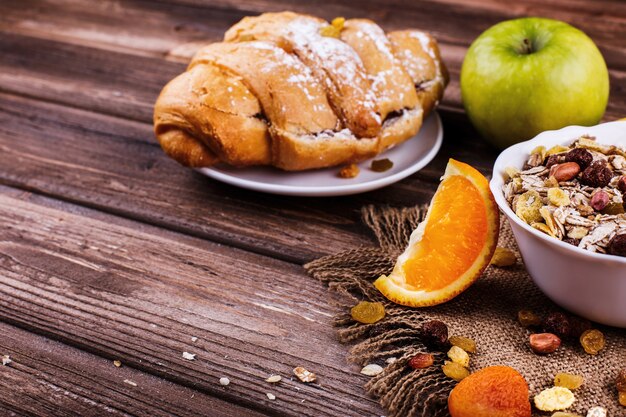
115	165
139	294
48	378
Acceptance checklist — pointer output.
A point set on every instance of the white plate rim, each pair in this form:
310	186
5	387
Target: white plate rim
330	191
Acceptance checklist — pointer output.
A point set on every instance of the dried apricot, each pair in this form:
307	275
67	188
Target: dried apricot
528	319
554	399
421	361
455	371
503	257
367	312
592	341
569	381
464	343
497	391
458	355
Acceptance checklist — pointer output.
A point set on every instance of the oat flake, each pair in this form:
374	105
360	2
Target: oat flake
270	396
371	369
273	379
224	381
189	356
6	359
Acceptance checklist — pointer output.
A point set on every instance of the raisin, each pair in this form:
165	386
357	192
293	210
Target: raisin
554	160
421	361
598	174
569	381
434	334
581	156
557	323
381	165
617	245
613	208
368	313
528	319
592	341
578	326
455	371
621	184
622	398
620	382
464	343
571	241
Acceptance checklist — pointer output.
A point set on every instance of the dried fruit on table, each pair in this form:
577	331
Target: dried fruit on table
554	399
620	381
371	369
497	391
558	324
381	165
349	171
445	257
578	326
528	318
621	396
597	412
455	371
464	343
592	341
503	257
544	343
569	381
421	361
434	334
304	375
367	312
458	355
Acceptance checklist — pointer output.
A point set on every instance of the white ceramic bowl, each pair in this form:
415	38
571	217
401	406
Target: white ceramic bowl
592	285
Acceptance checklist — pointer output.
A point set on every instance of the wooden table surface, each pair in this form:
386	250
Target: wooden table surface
111	251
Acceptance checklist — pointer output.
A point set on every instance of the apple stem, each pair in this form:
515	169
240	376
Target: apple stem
528	47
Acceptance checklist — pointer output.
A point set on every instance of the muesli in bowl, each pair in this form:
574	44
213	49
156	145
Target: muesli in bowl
564	211
573	193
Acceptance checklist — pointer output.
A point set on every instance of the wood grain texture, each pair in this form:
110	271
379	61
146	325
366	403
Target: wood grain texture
48	378
114	165
139	294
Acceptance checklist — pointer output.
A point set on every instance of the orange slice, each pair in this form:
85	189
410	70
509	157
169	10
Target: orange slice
451	248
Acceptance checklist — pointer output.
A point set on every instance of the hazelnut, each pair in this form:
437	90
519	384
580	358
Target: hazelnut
617	245
544	343
565	171
581	156
599	200
598	174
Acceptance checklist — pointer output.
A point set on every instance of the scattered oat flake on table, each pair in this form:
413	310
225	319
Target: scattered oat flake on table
189	356
270	396
372	369
129	382
503	257
224	381
273	379
194	338
117	363
597	412
554	399
304	375
391	360
6	359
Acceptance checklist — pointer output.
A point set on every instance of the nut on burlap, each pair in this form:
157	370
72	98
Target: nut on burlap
486	312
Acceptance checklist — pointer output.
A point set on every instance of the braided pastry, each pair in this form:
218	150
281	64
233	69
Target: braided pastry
291	91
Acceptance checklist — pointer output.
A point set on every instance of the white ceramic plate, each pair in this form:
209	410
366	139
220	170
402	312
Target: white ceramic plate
408	158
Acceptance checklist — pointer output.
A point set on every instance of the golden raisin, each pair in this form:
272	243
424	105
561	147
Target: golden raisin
592	341
455	371
367	312
349	171
554	399
503	257
569	381
421	361
464	343
381	165
622	398
527	318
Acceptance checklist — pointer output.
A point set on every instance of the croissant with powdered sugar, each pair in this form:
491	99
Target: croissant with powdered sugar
292	91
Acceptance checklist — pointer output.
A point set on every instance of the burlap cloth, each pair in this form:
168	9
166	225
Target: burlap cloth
486	312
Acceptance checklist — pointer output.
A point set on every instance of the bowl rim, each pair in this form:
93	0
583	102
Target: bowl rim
551	137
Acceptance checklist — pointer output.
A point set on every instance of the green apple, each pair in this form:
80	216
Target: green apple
524	76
